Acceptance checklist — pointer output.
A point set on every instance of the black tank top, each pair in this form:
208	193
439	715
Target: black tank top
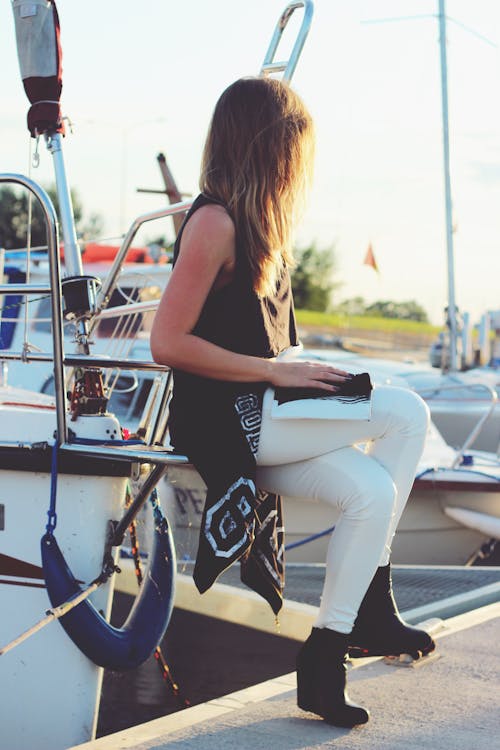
235	318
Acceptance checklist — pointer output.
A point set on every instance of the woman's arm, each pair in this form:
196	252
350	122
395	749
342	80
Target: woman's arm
206	259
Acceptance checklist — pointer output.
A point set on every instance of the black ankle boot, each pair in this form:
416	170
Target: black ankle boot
379	630
321	679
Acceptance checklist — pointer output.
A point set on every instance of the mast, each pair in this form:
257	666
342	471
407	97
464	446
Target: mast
452	310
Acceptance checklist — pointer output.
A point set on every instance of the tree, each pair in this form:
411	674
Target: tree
14	209
352	306
409	310
312	278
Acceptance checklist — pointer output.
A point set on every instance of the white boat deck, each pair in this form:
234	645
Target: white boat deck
451	701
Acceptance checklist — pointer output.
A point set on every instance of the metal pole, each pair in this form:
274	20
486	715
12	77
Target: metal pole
287	67
142	495
452	311
55	285
72	255
115	270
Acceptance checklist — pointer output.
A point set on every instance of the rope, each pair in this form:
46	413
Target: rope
53	614
438	469
308	539
26	302
158	654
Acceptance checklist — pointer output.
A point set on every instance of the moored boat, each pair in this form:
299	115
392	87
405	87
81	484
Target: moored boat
429	533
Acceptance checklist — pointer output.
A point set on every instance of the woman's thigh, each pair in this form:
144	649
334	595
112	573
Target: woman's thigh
289	440
346	478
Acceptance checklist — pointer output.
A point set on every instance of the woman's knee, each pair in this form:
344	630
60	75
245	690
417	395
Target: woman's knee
373	498
406	408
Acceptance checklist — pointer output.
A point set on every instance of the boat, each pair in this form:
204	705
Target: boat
73	479
454	507
453	511
458	400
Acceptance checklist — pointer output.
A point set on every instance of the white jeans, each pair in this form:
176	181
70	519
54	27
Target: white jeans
318	458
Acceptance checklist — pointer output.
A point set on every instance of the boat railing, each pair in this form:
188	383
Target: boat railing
53	289
109	284
152	450
474	433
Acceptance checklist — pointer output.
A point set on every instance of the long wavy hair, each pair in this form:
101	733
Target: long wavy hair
258	160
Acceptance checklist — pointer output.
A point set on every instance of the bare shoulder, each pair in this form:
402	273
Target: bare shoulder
210	227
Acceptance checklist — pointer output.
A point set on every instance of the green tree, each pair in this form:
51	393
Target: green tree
313	278
352	306
409	310
14	212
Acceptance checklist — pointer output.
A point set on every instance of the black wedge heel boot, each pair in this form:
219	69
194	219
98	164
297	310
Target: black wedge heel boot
379	629
321	679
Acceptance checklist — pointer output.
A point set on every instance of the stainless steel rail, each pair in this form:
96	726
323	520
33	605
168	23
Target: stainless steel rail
94	360
288	66
481	421
105	292
89	360
132	308
24	288
55	290
136	454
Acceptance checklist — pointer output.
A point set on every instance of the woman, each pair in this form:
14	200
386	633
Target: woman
225	316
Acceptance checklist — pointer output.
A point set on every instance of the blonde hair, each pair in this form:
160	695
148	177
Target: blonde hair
258	160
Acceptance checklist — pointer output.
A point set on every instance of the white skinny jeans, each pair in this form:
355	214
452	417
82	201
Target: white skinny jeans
318	458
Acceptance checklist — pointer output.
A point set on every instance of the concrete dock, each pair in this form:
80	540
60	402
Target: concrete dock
451	701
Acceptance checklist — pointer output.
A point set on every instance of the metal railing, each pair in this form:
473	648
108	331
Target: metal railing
54	290
472	436
287	67
104	294
148	453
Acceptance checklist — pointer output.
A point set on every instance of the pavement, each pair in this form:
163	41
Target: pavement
450	702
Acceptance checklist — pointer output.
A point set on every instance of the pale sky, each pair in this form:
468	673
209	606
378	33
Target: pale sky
143	77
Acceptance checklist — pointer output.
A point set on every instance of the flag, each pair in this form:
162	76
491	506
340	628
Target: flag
370	259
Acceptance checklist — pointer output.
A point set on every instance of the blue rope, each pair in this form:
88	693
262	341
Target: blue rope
438	469
51	513
308	539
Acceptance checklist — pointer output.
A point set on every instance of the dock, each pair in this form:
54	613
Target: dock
449	701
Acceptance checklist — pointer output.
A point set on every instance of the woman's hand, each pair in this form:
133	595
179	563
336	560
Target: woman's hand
306	374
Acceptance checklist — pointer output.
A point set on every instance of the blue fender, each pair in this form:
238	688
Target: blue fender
107	646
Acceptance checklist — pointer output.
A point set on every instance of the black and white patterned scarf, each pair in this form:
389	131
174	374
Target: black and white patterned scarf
239	522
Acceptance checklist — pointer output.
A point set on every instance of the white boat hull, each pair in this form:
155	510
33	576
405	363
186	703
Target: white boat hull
48	663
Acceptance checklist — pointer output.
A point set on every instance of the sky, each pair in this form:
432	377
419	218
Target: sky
140	78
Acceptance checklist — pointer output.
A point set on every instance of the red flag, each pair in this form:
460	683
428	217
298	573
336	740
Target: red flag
370	259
